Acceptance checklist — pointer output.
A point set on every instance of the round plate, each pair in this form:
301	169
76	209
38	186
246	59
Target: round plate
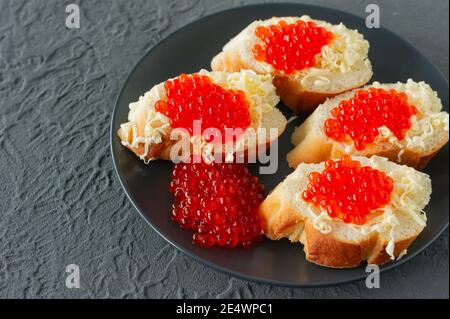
191	49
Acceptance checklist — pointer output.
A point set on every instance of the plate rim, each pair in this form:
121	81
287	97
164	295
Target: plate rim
205	261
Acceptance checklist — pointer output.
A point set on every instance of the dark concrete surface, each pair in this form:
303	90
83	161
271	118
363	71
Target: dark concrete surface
60	201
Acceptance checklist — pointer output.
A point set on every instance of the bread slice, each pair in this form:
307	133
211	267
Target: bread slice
342	65
428	134
148	132
333	243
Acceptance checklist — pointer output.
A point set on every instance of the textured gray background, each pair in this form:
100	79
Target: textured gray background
61	202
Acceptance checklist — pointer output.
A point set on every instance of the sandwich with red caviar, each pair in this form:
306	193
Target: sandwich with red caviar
349	210
241	102
310	60
402	121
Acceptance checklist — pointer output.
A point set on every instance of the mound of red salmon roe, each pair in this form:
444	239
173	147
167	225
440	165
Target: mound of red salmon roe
360	117
219	202
291	47
349	191
196	97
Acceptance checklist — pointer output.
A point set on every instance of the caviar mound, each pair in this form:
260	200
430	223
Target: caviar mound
349	191
219	202
195	97
361	117
291	47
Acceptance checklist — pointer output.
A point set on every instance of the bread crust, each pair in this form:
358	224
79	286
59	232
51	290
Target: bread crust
297	98
228	61
311	149
278	219
325	250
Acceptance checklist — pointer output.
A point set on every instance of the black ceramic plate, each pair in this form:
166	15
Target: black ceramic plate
191	49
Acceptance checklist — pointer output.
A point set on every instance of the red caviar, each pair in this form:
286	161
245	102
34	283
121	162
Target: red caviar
196	97
360	117
349	191
291	47
219	202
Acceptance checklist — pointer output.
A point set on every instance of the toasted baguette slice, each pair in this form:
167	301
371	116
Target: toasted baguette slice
342	65
428	134
148	132
333	243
